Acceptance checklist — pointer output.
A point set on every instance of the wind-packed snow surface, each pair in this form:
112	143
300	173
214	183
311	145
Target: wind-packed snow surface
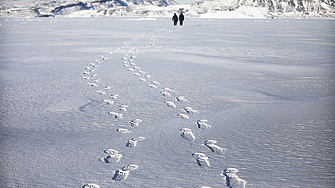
129	102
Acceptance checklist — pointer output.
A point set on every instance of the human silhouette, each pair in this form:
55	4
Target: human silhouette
181	19
175	19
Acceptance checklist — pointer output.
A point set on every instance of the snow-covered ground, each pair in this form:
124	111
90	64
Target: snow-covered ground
82	98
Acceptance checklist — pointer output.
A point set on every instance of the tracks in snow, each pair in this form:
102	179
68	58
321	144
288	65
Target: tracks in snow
128	60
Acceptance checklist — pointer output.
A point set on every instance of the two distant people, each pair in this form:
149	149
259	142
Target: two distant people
175	19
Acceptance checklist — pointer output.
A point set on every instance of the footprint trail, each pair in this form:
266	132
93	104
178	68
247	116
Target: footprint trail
119	112
110	97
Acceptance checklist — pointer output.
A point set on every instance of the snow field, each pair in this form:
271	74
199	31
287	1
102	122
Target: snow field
213	98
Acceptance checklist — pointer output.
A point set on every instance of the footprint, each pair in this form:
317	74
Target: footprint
135	122
130	167
86	78
147	76
187	134
91	185
189	110
94	75
133	141
122	130
152	85
181	99
137	74
201	159
231	179
155	82
108	87
142	79
214	148
138	68
113	156
122	174
202	124
183	116
170	104
164	93
92	70
96	80
125	65
123	107
93	84
114	96
116	115
86	72
111	151
142	72
101	92
109	102
198	155
168	89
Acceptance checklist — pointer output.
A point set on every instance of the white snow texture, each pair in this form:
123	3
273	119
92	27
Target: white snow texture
221	103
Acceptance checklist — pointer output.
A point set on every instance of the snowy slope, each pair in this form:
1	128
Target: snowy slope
52	8
282	8
301	8
166	8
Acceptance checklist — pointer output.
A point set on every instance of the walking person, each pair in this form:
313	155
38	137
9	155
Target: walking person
181	18
175	19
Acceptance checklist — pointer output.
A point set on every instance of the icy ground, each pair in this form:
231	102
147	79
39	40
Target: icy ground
83	98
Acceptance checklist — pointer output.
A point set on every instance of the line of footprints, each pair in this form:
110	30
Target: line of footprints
229	176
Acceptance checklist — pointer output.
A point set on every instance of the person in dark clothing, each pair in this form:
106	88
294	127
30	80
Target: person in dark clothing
181	18
175	19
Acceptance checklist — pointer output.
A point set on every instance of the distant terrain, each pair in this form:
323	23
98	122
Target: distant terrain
165	8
